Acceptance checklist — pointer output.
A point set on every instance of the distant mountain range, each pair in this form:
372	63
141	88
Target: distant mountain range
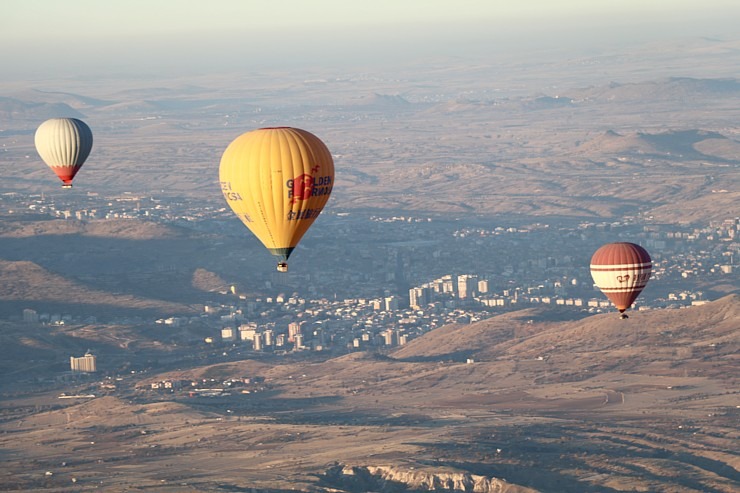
682	145
12	109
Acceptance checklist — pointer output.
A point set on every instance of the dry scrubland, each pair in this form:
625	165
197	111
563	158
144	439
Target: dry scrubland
597	404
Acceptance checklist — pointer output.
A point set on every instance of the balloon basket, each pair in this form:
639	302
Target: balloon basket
282	267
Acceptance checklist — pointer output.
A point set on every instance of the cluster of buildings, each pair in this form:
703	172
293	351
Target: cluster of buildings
209	387
405	275
32	316
395	318
282	324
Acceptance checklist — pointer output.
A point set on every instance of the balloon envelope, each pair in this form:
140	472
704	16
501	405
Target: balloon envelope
621	270
64	144
277	181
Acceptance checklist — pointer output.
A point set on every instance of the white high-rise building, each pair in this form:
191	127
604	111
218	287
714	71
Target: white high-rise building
483	286
419	297
247	332
269	337
466	286
298	342
87	363
30	316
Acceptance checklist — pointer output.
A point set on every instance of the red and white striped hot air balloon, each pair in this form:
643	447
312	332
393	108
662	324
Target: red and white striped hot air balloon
621	270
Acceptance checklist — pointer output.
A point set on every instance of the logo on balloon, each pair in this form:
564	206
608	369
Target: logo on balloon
305	186
301	189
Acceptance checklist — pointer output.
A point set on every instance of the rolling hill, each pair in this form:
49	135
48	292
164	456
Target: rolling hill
513	402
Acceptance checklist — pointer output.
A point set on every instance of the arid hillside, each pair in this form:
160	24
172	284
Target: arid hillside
28	285
524	334
111	267
513	403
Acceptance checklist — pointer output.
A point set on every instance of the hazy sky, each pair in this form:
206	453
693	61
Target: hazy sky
95	37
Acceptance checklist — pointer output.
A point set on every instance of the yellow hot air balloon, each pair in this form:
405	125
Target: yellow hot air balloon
277	181
64	144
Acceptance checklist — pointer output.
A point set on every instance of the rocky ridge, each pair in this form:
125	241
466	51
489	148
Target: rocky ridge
383	479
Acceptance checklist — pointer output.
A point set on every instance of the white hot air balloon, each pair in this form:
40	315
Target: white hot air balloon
64	144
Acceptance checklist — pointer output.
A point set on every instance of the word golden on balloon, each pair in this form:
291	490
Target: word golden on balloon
304	187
